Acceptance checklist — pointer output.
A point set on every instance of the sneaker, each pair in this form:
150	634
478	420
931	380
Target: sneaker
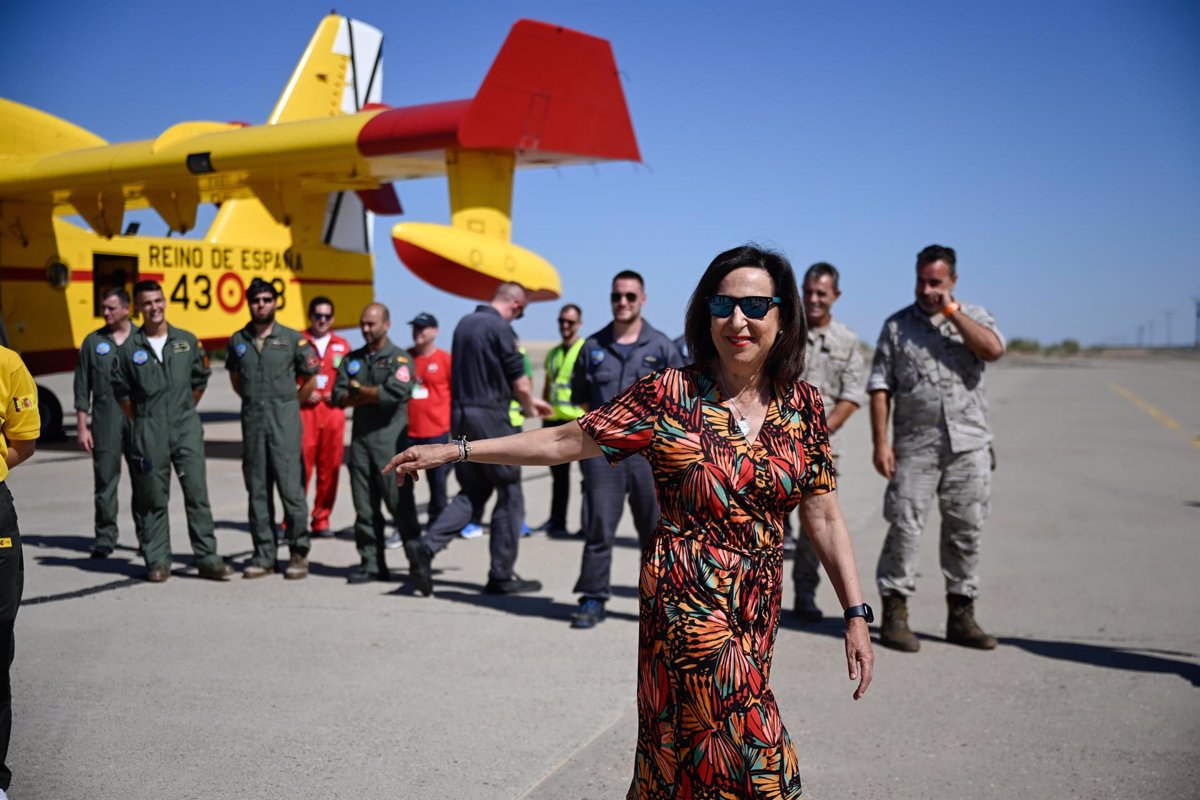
527	531
473	531
393	542
514	585
589	615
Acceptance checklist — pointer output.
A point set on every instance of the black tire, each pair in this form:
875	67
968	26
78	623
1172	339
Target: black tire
52	416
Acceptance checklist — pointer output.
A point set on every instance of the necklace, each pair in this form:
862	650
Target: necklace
742	423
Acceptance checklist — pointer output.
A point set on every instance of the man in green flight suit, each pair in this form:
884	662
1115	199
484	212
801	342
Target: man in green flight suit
159	376
266	360
376	380
107	437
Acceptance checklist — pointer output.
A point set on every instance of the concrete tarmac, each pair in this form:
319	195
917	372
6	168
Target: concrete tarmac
272	689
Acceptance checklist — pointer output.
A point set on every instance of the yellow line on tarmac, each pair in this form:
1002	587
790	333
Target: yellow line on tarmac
1163	419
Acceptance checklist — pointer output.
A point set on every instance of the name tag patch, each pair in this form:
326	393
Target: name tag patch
180	347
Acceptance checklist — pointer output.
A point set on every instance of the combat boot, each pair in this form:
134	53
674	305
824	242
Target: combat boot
961	627
893	631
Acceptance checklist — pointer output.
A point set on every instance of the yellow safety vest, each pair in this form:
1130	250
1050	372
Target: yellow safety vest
515	415
560	389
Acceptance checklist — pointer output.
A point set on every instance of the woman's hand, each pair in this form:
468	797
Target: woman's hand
860	658
422	456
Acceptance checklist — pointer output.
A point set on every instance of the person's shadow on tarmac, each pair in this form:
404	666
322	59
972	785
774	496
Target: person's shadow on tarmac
1078	652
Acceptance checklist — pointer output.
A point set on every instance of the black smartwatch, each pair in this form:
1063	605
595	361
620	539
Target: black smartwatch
863	611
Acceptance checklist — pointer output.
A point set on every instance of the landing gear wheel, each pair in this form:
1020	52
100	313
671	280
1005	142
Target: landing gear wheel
52	416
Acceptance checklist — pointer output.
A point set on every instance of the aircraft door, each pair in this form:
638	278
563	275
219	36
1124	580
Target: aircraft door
109	271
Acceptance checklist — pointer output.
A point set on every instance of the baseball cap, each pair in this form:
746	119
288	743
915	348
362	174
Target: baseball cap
423	320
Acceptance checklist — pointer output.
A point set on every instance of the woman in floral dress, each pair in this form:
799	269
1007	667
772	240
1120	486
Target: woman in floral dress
736	441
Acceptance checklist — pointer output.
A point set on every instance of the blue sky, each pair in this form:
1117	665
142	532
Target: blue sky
1053	144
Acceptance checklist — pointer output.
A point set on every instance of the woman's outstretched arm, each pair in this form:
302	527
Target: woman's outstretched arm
541	447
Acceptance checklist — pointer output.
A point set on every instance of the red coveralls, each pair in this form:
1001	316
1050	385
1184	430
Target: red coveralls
324	433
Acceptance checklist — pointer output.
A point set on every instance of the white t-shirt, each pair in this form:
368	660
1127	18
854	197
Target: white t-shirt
321	343
158	343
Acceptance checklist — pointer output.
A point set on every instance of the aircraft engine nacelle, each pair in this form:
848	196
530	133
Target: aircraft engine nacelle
470	264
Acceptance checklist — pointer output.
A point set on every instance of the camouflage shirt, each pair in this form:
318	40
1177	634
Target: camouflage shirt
835	365
936	382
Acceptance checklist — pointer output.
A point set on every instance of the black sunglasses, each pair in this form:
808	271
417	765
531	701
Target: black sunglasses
628	297
565	321
262	298
322	317
721	305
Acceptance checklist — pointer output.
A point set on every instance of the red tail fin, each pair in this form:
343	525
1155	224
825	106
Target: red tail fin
554	95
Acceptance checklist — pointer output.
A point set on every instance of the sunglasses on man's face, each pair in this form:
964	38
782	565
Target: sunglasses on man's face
565	321
520	312
261	299
628	297
322	317
721	305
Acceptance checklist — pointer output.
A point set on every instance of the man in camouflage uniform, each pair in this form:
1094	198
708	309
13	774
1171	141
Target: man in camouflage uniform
266	361
107	436
929	363
376	380
160	375
834	364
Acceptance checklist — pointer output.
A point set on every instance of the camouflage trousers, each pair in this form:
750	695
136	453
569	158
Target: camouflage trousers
963	485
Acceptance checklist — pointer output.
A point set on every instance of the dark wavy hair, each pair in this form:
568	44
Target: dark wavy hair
785	362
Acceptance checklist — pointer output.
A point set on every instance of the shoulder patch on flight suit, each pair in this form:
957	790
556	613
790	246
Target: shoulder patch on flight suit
354	366
302	343
180	347
312	362
402	374
103	348
597	356
240	349
140	357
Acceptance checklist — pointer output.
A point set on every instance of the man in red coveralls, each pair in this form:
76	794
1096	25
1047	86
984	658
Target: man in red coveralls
324	423
428	408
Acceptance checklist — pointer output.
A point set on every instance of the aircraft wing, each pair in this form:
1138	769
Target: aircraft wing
552	96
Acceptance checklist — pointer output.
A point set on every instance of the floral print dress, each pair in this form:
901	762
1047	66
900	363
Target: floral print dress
708	725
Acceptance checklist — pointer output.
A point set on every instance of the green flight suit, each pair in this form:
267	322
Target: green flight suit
111	429
166	431
271	432
379	432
